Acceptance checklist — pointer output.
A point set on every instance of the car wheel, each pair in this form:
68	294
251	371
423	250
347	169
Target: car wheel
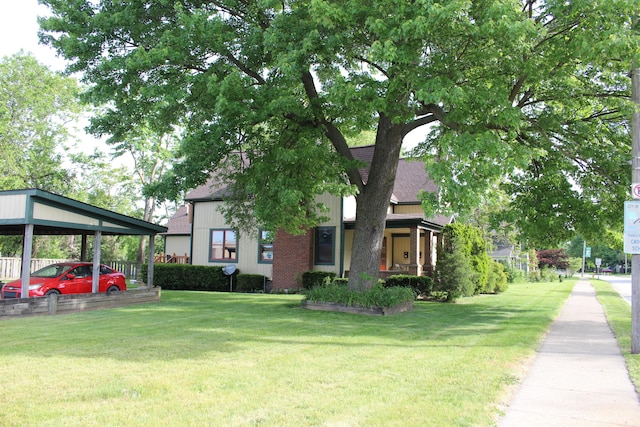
52	292
113	290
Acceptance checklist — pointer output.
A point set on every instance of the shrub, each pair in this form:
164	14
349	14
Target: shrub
497	279
251	282
469	241
454	273
377	296
513	275
421	285
311	279
189	277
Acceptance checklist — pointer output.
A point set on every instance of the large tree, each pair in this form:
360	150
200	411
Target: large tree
532	90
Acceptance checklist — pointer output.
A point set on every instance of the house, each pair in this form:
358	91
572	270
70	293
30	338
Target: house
178	236
512	257
409	246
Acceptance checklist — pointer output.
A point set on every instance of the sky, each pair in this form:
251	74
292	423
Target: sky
19	30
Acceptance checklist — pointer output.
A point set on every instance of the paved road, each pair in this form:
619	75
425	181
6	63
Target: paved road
620	283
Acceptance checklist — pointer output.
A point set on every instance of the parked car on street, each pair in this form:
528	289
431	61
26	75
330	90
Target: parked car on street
67	278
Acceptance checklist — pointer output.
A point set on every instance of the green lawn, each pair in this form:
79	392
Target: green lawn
220	359
618	313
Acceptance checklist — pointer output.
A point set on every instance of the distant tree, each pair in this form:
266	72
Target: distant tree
610	255
152	154
36	105
100	182
37	109
553	258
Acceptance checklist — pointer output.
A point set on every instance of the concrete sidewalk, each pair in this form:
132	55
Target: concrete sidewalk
579	377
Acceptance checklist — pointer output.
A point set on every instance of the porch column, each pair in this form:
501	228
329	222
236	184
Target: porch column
428	252
415	268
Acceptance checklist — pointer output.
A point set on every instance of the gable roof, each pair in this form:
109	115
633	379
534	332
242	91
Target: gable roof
411	176
213	189
179	223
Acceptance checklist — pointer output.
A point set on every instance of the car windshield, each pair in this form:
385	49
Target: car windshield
51	271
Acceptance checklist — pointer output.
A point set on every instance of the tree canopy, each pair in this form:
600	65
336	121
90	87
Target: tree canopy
531	94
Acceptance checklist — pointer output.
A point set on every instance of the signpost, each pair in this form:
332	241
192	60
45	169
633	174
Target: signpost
586	253
635	177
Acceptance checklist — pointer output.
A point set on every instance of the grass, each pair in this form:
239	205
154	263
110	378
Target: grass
618	313
243	360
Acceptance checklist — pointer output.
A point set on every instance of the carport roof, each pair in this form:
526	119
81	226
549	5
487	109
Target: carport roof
54	214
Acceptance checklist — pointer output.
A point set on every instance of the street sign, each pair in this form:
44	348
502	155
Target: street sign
635	190
587	252
632	227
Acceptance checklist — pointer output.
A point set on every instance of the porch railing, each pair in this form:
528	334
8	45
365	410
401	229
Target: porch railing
172	259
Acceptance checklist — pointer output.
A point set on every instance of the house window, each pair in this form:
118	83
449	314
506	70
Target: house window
265	247
324	245
223	245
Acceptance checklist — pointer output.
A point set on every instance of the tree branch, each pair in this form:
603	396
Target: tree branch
421	121
331	131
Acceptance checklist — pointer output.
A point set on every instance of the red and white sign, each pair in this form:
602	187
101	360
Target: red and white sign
635	190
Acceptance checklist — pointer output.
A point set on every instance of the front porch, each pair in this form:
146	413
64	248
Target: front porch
409	247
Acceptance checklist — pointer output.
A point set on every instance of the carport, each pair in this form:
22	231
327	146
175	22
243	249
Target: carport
37	212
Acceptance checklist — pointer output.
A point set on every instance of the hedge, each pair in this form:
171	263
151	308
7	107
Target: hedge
311	279
422	285
189	277
251	282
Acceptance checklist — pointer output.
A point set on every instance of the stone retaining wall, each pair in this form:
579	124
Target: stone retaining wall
61	304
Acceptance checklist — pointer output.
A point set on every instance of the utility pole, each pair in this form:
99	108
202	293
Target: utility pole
635	178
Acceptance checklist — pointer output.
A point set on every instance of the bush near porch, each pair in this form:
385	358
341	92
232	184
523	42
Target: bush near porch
421	285
464	267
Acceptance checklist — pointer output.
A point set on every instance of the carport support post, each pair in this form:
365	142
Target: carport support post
152	249
27	244
95	280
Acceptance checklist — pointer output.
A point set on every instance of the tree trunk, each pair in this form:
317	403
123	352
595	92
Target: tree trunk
371	207
149	207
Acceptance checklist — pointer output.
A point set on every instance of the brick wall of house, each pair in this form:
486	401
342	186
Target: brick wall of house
292	256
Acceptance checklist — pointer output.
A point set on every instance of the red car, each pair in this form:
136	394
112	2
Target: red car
67	278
